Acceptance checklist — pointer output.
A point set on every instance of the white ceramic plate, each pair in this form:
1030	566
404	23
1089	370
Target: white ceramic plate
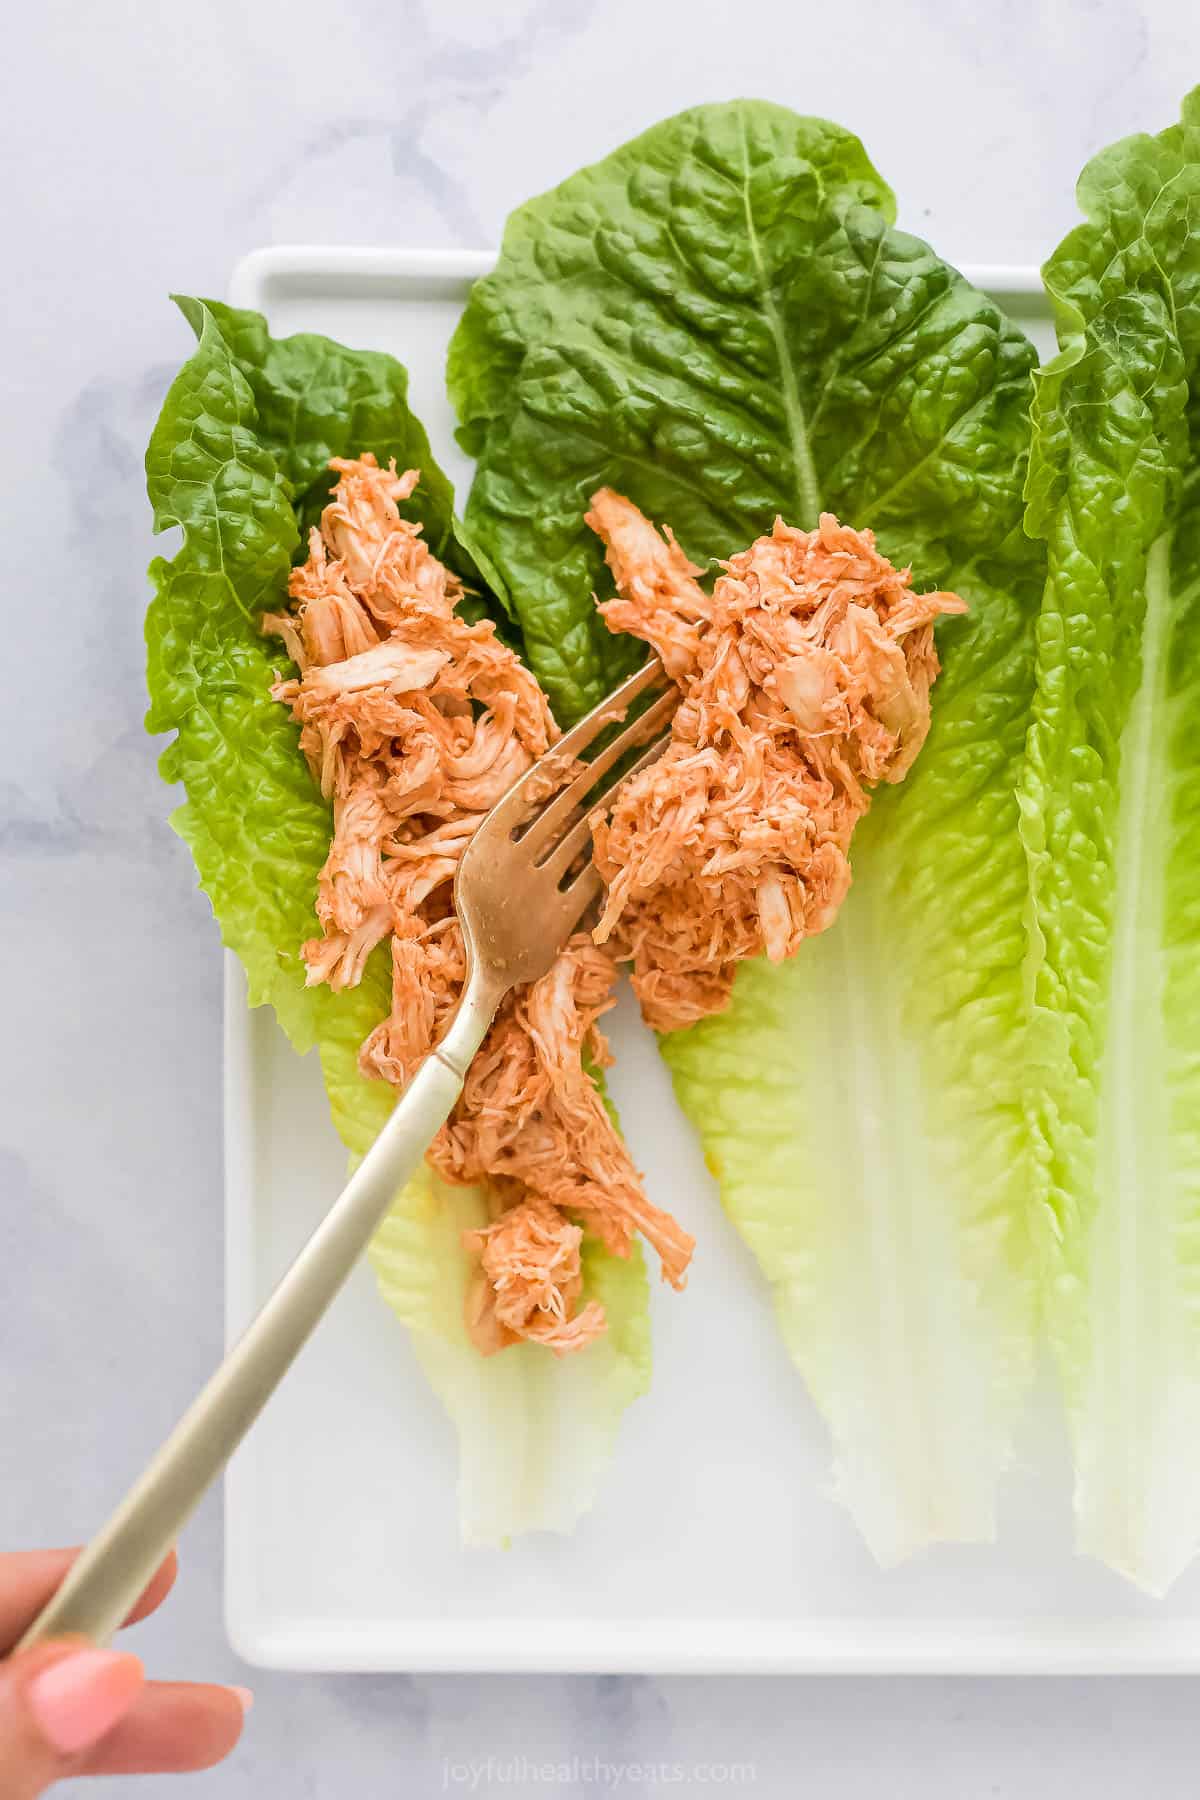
713	1545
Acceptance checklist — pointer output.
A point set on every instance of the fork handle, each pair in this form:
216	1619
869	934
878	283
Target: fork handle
111	1573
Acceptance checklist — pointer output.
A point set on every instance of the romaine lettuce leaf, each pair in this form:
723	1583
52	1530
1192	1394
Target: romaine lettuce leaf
315	399
236	460
631	335
1111	819
535	1430
720	321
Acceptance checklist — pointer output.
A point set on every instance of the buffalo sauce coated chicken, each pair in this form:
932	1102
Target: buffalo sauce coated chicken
805	680
415	723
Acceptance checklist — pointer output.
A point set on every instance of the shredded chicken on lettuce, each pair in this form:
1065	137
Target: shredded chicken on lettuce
415	723
804	679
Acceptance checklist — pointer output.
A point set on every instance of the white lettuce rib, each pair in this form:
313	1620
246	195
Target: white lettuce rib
1138	1489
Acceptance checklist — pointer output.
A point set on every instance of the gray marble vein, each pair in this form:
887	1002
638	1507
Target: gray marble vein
146	149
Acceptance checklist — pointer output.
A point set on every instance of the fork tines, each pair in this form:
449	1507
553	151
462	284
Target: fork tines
556	835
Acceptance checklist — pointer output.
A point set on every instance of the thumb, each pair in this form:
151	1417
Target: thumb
56	1702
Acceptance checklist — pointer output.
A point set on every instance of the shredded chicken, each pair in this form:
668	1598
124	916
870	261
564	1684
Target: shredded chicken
415	723
805	680
528	1097
530	1278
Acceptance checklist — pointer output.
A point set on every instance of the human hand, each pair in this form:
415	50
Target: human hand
67	1709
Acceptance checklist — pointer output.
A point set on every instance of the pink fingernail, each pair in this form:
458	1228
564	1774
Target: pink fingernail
245	1695
78	1700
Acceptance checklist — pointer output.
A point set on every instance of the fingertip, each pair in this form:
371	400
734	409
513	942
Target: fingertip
221	1734
156	1589
175	1728
80	1697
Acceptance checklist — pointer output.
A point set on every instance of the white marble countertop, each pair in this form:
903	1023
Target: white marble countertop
147	149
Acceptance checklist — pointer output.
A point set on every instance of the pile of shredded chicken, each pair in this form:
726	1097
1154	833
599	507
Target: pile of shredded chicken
414	723
804	680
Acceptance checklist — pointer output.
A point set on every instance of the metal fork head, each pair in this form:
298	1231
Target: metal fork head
522	886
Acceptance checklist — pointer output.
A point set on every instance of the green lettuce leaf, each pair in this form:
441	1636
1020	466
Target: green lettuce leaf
535	1430
314	400
236	461
632	335
1111	819
720	321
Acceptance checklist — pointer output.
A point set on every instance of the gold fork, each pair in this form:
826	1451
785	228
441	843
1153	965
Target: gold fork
522	887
